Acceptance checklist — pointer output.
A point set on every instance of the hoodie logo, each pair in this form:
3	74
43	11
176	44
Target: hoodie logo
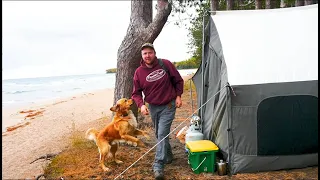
155	75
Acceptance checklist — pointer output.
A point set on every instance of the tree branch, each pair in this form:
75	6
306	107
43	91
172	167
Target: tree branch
243	5
154	28
46	157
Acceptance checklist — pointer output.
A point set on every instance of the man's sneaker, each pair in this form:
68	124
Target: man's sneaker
158	175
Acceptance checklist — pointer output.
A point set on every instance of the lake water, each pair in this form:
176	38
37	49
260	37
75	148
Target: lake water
31	90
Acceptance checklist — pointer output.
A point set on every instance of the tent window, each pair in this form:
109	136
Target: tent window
288	125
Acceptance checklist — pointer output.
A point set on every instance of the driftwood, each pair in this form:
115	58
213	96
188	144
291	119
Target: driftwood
46	157
41	175
44	176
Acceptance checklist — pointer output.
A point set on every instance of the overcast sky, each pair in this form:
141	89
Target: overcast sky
49	38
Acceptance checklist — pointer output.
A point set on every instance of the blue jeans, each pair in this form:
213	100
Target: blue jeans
162	117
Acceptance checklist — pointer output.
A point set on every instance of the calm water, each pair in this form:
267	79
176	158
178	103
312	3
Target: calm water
31	90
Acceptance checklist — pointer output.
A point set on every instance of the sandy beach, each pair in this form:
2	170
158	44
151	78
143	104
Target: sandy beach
46	129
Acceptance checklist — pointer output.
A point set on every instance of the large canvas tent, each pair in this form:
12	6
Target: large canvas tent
258	87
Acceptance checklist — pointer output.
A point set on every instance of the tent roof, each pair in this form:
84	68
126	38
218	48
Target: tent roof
266	46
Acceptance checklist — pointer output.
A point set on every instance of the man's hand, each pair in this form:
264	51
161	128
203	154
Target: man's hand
178	102
144	110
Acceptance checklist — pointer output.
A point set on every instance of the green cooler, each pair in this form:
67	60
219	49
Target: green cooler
202	155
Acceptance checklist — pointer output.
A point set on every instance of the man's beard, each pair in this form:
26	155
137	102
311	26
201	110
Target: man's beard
150	62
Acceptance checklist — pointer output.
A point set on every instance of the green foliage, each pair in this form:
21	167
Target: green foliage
189	86
191	63
53	170
195	30
71	159
291	3
113	70
79	142
202	8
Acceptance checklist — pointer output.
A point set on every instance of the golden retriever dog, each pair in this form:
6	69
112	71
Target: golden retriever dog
123	128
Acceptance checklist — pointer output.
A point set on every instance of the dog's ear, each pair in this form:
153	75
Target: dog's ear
115	108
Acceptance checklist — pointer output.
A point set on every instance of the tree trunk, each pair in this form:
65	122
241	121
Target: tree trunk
283	4
141	29
269	4
241	4
214	5
308	2
230	4
258	4
299	3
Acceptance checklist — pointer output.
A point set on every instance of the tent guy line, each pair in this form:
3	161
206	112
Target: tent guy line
272	65
189	117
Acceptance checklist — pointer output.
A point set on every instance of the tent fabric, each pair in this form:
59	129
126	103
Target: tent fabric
296	113
268	46
256	92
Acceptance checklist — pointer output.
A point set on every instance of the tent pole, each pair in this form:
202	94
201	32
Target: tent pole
191	97
202	70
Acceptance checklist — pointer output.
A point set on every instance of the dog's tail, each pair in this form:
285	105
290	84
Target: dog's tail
92	134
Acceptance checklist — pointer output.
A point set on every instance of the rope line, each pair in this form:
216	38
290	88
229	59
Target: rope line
170	132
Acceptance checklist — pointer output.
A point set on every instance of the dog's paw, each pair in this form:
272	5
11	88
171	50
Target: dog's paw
130	143
114	142
105	169
110	155
134	144
118	161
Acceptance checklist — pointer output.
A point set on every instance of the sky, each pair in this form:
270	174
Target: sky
54	38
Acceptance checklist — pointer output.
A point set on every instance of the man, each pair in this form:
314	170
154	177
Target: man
162	90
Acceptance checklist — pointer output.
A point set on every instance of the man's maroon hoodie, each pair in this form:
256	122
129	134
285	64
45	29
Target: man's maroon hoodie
158	86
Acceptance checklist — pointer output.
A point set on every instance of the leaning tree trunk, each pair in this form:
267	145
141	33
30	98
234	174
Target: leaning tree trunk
258	4
142	28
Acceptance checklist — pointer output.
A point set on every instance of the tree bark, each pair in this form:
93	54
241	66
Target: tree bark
308	2
214	5
142	29
241	3
299	3
270	4
230	4
283	4
258	4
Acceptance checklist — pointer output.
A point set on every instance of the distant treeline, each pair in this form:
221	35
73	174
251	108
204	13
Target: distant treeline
191	63
113	70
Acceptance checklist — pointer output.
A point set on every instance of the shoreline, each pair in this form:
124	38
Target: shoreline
49	128
15	116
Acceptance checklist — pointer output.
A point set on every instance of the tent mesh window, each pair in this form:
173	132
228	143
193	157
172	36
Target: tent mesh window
288	125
